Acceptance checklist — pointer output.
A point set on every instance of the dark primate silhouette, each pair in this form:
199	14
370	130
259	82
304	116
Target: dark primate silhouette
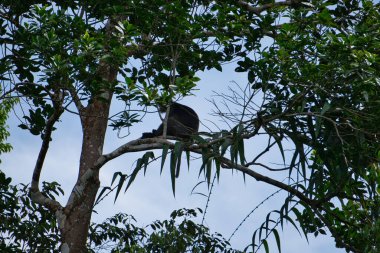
182	122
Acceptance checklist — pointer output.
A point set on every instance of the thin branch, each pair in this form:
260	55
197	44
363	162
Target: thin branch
208	198
76	99
250	213
260	177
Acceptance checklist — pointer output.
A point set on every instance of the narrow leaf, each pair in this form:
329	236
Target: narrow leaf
266	246
241	151
173	163
115	175
178	148
101	193
120	185
134	174
188	159
208	171
278	241
165	149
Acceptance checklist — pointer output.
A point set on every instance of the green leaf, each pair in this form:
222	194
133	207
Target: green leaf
175	163
253	241
102	193
266	246
165	149
208	171
188	159
251	76
140	162
120	185
178	148
299	218
278	241
145	159
241	151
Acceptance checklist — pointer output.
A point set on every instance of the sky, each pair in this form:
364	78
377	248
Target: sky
150	197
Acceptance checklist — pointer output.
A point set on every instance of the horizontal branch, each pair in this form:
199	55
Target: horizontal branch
133	146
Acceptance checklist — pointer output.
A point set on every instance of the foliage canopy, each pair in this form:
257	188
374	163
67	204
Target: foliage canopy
313	84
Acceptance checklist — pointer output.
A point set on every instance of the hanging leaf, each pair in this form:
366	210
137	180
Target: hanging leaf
120	185
178	148
165	149
188	159
278	241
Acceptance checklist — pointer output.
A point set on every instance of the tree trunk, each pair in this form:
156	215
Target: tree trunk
77	214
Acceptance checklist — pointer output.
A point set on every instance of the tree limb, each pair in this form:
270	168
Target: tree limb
35	192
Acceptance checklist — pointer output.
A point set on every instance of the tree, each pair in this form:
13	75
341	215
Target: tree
313	67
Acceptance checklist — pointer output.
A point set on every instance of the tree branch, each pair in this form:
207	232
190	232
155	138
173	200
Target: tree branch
76	99
35	192
133	146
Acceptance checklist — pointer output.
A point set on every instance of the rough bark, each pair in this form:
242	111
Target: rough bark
77	213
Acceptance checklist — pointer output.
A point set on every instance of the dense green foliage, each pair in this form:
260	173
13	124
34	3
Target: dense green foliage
27	227
314	87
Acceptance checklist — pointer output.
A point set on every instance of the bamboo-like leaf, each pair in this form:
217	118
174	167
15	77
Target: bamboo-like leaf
293	162
292	222
226	143
205	157
303	160
173	167
165	149
217	166
266	246
188	159
241	151
261	230
267	220
120	185
134	173
145	159
234	150
234	153
178	148
208	171
299	217
279	144
101	193
115	176
278	241
253	241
